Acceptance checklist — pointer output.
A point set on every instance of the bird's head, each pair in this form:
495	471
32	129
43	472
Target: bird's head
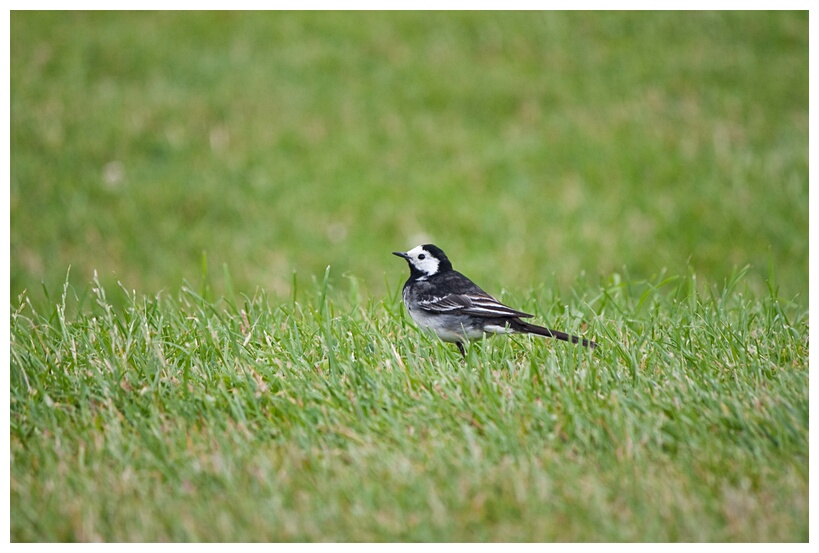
426	260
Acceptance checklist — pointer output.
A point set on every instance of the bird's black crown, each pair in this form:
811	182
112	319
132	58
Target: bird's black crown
438	253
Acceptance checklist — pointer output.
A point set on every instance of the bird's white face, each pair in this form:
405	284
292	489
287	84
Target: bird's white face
422	260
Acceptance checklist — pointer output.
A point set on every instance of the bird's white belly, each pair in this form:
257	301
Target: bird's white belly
450	328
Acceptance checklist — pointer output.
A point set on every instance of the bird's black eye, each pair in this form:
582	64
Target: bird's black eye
422	256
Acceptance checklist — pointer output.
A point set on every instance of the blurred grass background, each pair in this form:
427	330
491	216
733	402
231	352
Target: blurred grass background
533	147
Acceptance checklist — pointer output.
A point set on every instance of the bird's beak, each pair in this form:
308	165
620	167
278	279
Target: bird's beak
401	254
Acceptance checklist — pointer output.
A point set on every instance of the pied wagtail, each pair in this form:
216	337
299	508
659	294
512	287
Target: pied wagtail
444	301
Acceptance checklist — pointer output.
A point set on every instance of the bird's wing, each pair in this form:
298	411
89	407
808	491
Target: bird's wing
473	303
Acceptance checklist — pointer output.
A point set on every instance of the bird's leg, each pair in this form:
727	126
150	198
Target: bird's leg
461	349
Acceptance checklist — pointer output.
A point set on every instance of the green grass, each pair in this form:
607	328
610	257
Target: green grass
324	418
637	178
549	144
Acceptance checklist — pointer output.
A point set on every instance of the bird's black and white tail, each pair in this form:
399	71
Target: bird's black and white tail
520	326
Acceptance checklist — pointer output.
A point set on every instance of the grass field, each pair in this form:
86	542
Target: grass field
199	374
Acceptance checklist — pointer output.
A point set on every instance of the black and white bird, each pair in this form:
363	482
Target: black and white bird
447	303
